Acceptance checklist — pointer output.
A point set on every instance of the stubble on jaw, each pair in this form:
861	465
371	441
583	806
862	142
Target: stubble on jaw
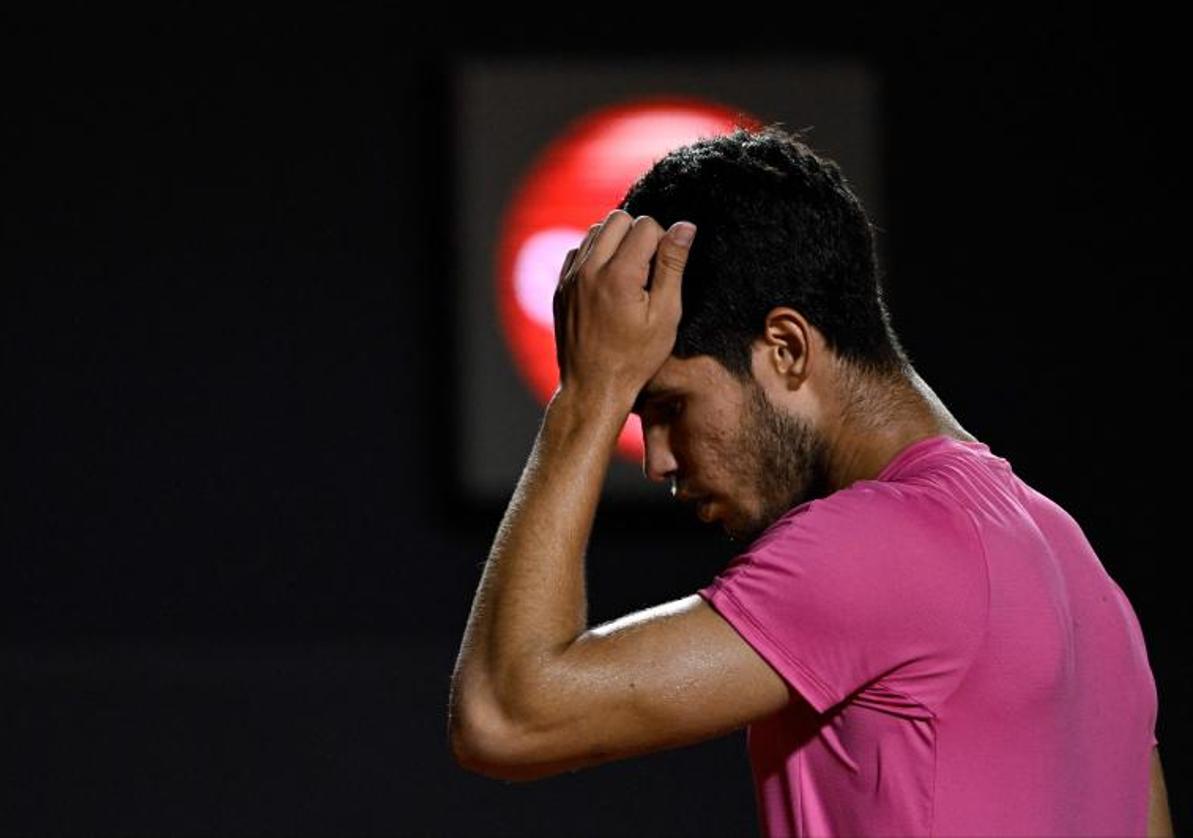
784	458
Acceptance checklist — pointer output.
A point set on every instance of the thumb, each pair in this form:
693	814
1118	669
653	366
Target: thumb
670	260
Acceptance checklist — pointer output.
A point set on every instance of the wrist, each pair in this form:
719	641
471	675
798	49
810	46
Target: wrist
577	405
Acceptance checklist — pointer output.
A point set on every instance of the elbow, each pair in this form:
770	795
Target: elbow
482	743
472	715
466	738
478	742
470	756
460	741
489	756
504	736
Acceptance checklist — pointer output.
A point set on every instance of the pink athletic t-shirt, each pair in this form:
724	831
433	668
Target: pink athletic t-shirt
966	664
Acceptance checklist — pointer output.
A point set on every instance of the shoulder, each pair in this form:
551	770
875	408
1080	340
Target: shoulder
881	535
874	513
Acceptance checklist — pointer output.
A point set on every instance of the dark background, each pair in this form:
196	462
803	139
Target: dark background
235	571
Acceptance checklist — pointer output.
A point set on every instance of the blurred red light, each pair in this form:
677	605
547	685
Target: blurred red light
575	182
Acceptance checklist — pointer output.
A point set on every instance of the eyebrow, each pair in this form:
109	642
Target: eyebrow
650	394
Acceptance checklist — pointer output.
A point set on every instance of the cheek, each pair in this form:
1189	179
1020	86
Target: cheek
714	450
724	459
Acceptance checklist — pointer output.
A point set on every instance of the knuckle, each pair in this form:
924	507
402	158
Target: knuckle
647	221
567	264
672	261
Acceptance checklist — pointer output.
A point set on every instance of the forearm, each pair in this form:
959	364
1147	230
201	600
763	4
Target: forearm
531	602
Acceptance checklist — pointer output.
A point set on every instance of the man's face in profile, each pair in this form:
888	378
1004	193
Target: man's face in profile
727	450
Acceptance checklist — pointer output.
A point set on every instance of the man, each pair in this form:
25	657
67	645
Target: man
918	642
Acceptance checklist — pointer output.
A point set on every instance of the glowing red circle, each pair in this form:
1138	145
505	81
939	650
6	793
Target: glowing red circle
573	183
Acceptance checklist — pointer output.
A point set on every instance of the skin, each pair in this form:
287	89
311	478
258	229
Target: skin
1159	820
536	691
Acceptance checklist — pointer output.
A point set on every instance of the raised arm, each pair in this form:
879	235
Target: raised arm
534	691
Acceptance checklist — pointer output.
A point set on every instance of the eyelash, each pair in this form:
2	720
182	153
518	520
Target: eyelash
664	409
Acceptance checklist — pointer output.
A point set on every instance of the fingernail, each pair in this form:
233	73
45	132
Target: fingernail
682	232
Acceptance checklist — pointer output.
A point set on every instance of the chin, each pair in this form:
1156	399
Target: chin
750	529
739	532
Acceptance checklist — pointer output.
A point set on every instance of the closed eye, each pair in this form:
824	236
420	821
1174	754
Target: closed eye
666	409
659	407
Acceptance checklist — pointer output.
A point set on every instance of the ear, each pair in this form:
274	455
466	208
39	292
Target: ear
785	346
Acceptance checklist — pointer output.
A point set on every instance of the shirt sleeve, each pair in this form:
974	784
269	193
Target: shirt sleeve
874	583
1141	661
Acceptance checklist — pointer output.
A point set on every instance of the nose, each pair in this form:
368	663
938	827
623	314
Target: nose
658	463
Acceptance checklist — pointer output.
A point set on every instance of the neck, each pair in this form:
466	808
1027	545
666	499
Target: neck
878	421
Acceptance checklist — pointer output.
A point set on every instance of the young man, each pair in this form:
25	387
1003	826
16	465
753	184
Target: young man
918	641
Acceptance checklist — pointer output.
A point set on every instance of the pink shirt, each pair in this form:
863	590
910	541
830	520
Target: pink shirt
970	667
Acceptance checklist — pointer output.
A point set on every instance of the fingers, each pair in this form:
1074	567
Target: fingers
608	238
577	254
638	241
586	245
638	248
630	243
667	279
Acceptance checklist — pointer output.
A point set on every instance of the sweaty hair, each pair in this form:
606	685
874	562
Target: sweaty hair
777	225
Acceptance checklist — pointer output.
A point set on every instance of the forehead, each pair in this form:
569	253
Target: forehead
700	374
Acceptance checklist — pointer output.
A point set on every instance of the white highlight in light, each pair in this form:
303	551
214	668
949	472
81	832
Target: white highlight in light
536	271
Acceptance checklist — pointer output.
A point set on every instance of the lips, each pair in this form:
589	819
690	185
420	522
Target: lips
704	511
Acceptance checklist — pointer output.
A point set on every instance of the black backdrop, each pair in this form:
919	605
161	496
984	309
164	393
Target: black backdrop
235	573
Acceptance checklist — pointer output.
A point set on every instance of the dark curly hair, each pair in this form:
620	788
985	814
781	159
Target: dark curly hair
777	225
